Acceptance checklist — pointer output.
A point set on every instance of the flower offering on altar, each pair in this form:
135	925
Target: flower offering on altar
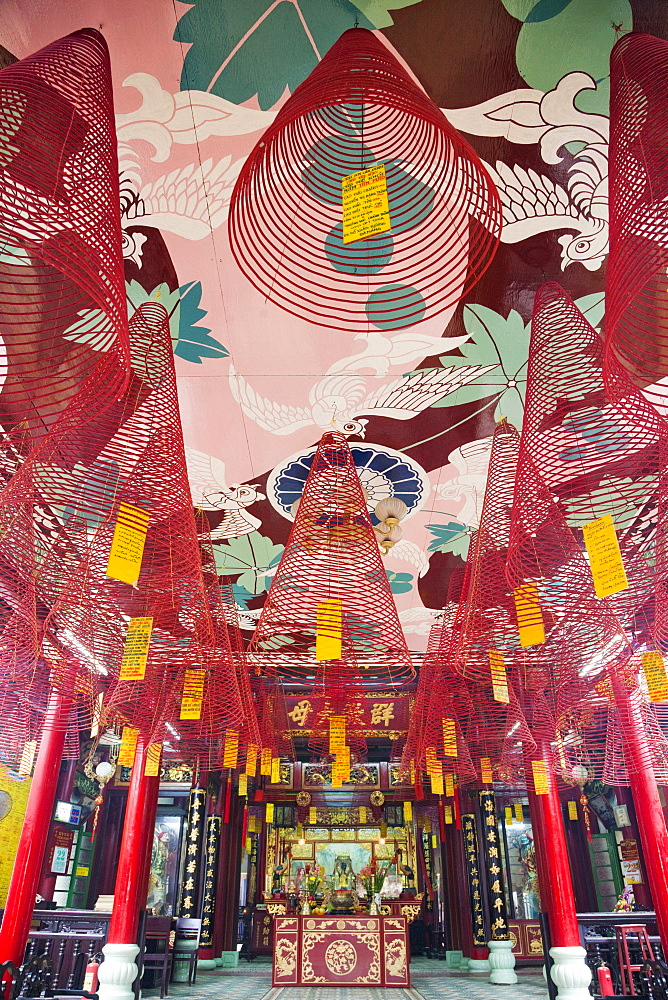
625	902
372	878
315	878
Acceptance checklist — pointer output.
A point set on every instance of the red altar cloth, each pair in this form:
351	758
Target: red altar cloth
337	950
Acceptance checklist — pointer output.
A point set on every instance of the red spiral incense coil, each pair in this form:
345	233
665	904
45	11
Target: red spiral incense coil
331	556
65	348
484	632
331	586
92	431
358	108
132	454
581	458
63	314
636	281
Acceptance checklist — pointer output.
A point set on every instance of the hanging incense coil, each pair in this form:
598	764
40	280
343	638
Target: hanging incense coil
330	598
636	285
62	294
360	108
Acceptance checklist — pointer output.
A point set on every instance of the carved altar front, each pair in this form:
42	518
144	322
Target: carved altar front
334	950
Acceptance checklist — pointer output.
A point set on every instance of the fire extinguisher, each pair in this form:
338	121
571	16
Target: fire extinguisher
605	981
90	982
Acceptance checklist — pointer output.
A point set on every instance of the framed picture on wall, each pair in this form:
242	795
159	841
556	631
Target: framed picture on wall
302	852
122	776
361	776
344	834
396	780
286	779
316	833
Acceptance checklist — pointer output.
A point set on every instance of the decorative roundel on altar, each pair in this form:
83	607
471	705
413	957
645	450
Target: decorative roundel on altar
5	803
340	958
383	472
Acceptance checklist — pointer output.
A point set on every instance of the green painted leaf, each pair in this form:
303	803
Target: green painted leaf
622	498
11	116
276	642
451	537
234	556
518	8
592	308
242	596
497	339
250	556
577	38
194	342
92	327
189	341
545	9
511	406
494	340
400	583
136	295
365	635
10	251
378	11
243	48
82	492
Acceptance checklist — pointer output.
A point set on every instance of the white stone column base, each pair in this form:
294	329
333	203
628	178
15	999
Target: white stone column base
478	965
219	962
570	972
118	971
206	964
502	963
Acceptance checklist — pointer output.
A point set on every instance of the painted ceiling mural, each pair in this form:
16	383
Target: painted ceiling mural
526	81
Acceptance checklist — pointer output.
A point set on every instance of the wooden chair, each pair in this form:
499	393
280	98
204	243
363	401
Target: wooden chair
157	953
188	929
626	968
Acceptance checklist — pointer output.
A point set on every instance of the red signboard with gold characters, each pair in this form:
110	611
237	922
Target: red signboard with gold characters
342	950
379	713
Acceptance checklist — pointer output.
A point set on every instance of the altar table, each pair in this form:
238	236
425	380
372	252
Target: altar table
337	950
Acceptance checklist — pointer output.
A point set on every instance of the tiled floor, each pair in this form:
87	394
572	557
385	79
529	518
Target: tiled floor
430	980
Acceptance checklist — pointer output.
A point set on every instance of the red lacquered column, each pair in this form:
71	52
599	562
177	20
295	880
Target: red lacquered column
649	814
130	873
570	972
119	971
35	832
148	825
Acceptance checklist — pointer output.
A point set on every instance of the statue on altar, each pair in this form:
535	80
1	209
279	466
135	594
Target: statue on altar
343	876
277	879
